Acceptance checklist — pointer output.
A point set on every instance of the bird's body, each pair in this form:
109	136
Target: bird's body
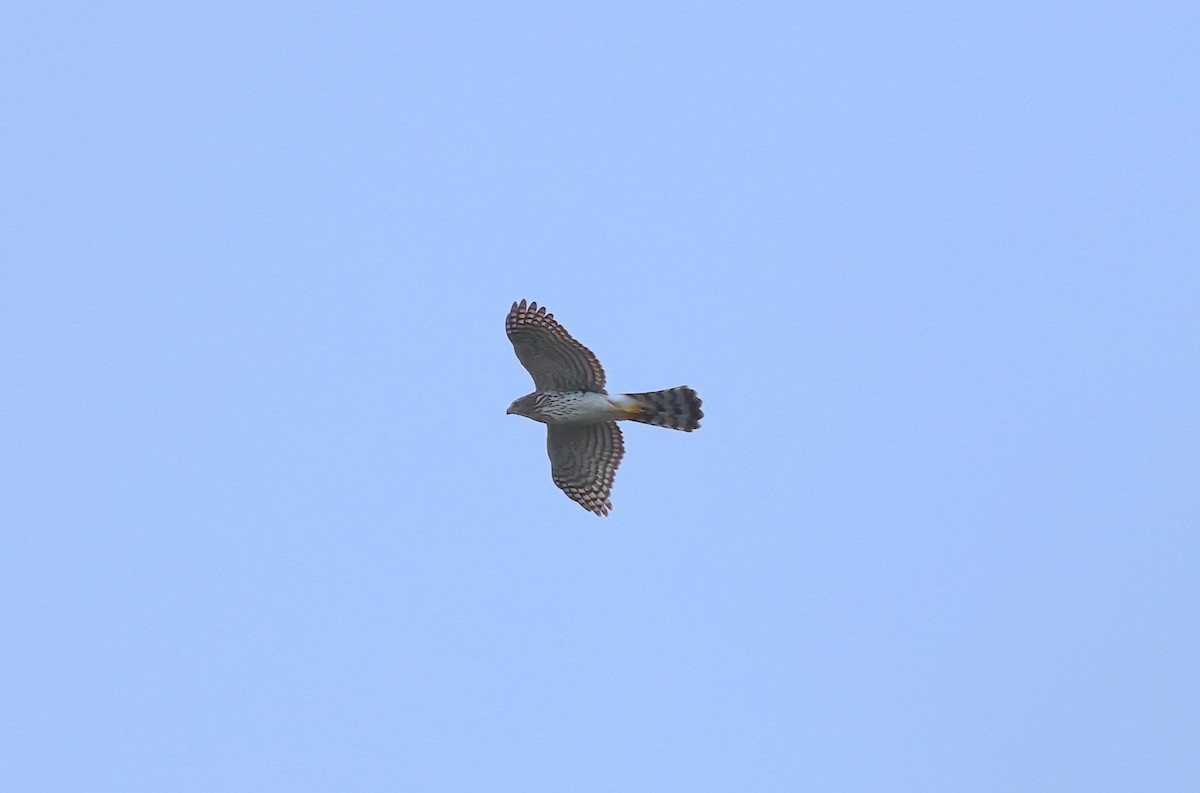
583	440
573	407
677	408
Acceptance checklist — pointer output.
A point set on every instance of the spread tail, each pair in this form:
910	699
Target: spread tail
676	408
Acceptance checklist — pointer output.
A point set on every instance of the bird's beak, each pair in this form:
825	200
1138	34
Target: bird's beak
509	411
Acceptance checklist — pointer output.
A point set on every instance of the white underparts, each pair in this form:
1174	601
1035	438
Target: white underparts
583	406
622	403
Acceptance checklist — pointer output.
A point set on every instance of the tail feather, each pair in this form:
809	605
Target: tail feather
676	408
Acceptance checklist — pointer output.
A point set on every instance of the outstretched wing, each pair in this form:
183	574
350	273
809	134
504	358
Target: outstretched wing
584	460
555	360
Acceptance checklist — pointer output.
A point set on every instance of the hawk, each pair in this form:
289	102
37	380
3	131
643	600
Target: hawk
582	436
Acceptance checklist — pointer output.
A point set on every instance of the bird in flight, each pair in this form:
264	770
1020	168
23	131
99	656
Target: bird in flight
582	436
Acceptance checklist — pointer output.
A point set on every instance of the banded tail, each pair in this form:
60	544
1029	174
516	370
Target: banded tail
676	408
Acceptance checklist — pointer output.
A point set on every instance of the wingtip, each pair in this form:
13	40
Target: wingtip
524	306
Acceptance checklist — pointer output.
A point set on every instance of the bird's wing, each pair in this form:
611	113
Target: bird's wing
555	360
584	460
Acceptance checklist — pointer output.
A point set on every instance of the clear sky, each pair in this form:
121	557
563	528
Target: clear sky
934	269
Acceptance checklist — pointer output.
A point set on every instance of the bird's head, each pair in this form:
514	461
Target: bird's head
523	406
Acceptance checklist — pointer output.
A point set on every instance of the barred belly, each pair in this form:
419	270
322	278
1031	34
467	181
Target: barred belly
580	407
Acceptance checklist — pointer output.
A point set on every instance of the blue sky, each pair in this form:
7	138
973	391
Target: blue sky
932	267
